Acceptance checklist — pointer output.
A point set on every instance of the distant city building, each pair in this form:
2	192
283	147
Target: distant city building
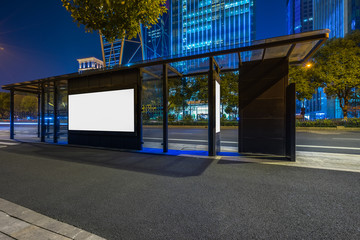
157	39
89	63
205	24
353	15
341	17
300	16
188	27
333	15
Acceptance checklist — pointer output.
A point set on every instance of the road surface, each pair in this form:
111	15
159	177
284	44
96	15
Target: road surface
331	141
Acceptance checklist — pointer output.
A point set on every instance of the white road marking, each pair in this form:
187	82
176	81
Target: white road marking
330	147
9	143
229	142
185	140
174	139
347	139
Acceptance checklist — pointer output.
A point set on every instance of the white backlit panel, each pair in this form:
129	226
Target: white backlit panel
217	106
111	111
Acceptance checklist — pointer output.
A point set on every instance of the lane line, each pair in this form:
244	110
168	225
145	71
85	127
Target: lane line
330	147
348	139
184	140
9	143
204	141
174	139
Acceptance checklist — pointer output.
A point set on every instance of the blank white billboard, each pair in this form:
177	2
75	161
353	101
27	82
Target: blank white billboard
217	106
111	111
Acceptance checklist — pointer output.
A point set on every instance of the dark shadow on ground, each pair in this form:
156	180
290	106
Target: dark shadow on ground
174	166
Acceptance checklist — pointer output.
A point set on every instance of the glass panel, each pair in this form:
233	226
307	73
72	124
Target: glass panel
277	52
152	116
49	113
294	36
229	61
301	50
252	55
26	116
192	66
229	111
188	114
62	112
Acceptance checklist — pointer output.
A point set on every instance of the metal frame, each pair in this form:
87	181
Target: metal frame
321	36
38	86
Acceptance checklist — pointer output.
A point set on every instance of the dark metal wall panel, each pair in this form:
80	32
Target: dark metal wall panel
262	107
126	79
290	122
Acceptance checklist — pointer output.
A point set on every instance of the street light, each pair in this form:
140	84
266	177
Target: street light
308	65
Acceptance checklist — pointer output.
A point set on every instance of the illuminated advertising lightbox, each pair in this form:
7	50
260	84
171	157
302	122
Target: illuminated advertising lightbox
217	106
111	111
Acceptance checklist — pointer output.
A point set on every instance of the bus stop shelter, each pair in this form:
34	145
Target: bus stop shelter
266	102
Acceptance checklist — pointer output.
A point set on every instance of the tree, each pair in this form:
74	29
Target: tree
337	66
4	105
229	92
304	79
115	19
29	106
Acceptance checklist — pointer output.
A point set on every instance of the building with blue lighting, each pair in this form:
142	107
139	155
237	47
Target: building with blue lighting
341	17
208	24
188	27
333	15
299	16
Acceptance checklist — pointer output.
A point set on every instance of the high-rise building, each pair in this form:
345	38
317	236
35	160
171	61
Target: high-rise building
341	17
353	15
208	24
157	39
300	16
190	26
333	15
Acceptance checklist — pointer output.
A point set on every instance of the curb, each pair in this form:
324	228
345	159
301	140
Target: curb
18	222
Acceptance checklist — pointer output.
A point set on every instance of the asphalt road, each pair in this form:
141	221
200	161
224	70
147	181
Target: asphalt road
122	195
332	141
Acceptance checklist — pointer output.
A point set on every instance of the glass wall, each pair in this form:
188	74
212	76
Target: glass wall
26	117
188	114
152	109
62	112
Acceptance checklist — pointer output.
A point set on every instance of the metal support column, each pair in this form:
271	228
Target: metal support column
211	109
240	123
12	112
290	122
56	120
165	85
42	110
38	115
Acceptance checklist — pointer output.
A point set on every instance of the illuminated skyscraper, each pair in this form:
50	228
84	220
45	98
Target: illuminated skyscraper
331	14
190	26
353	15
156	39
208	24
299	16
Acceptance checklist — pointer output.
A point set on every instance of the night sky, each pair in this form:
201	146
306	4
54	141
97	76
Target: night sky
41	40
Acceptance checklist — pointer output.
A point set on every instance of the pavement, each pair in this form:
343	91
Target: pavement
127	195
17	222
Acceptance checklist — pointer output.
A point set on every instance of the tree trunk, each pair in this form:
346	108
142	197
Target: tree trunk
344	107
